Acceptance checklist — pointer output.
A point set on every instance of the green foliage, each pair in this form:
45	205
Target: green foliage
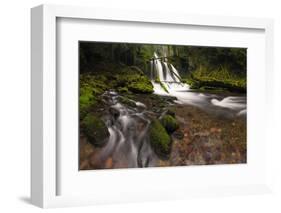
169	123
134	80
95	130
124	80
208	65
121	53
159	139
203	78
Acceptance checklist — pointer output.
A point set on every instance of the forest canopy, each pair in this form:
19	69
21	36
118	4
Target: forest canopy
201	67
186	58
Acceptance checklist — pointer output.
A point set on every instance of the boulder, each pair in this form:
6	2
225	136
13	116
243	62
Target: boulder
170	123
159	138
95	130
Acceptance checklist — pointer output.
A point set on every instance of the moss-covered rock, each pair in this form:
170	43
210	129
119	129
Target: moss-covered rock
95	130
141	87
122	90
86	99
134	80
126	101
91	88
123	79
170	123
222	78
160	140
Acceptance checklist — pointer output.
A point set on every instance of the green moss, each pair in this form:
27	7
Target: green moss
123	79
141	87
86	96
91	87
157	80
127	101
134	80
86	100
164	87
169	123
159	139
95	130
222	78
122	89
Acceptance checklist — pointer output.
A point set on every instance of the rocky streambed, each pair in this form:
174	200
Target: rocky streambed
127	130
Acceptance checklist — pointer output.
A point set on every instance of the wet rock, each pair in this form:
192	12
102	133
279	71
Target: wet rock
178	135
126	101
114	112
140	105
171	112
95	130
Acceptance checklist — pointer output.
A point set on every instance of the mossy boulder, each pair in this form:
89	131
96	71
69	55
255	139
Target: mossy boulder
86	99
122	90
126	101
123	79
159	139
91	89
141	87
169	123
134	80
95	130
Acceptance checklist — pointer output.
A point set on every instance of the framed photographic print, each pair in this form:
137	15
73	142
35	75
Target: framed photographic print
149	106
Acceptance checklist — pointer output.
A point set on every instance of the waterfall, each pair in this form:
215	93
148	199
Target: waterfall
167	81
165	77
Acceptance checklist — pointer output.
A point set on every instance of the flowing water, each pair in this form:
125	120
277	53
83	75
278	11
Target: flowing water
215	103
128	144
128	125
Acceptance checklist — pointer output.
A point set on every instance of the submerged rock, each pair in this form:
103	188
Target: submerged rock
95	130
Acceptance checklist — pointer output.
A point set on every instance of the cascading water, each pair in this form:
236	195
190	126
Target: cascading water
165	75
167	81
128	145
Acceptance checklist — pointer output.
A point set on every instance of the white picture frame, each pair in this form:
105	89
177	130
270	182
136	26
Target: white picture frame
44	135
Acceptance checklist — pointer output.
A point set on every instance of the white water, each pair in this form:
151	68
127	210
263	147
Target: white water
170	78
128	145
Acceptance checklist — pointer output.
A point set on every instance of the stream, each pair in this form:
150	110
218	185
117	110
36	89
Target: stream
128	145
